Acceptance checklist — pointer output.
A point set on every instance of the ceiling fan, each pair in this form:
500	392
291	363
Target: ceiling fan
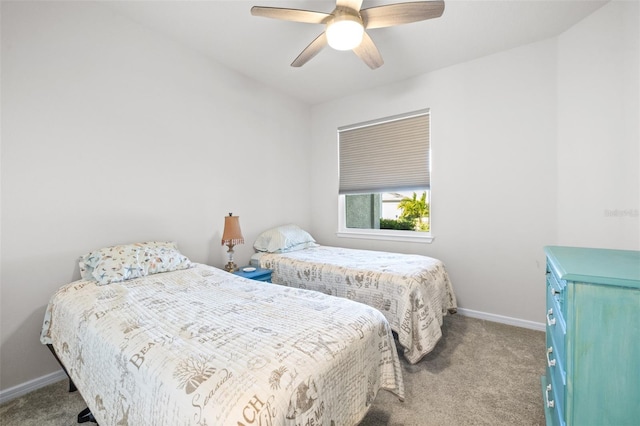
345	26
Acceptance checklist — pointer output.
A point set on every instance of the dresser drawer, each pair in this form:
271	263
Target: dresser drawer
554	280
555	363
556	326
551	413
557	377
557	288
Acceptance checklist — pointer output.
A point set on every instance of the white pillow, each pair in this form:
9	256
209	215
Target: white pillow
283	239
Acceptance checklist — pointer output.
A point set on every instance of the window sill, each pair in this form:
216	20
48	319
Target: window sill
413	237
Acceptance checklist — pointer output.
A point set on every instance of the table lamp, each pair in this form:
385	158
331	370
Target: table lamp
231	236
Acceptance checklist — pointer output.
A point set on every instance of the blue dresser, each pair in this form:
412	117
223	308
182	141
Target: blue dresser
593	337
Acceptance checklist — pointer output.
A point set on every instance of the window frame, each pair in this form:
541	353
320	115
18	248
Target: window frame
380	234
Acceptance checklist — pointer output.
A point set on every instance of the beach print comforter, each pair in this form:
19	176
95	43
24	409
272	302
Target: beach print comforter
204	347
413	292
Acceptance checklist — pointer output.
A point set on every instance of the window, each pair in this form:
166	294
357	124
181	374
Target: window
385	178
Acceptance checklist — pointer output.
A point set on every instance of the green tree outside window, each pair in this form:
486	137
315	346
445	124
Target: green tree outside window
416	210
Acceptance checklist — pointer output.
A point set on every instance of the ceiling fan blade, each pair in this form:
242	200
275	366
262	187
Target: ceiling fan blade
401	13
311	50
368	52
351	4
296	15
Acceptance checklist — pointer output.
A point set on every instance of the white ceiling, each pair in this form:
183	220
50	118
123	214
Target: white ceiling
264	48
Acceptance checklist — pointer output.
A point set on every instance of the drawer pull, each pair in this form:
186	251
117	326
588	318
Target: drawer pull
550	362
551	403
550	321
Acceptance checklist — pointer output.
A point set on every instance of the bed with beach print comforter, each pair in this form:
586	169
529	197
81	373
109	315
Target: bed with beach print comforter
201	346
413	292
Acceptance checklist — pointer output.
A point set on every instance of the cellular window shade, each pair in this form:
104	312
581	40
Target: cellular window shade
386	156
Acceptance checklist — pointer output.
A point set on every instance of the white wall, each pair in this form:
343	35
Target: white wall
493	200
114	134
530	146
598	130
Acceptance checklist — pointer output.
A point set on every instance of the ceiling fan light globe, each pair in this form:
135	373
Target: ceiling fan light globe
344	33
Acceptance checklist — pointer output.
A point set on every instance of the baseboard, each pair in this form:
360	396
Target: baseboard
539	326
7	395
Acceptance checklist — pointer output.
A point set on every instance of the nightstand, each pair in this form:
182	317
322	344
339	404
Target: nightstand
259	274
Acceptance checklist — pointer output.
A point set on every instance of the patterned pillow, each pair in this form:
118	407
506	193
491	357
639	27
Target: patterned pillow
283	239
125	262
111	264
156	257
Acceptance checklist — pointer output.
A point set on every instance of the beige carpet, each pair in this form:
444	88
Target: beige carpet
481	373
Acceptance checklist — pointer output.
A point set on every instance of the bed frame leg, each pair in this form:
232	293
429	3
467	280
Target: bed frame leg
72	386
86	416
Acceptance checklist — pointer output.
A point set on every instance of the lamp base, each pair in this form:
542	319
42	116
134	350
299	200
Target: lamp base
230	267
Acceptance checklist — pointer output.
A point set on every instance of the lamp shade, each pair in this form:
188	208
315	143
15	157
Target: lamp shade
232	233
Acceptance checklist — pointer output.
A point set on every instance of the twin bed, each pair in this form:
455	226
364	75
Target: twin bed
149	337
413	292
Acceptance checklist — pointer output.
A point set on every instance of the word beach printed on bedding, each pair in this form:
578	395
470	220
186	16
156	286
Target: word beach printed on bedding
201	346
